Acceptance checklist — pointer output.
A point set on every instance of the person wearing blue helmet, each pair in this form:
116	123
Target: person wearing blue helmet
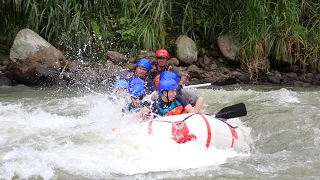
137	92
195	100
119	95
169	102
120	87
143	66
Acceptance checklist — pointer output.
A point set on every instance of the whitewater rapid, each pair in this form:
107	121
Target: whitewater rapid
88	136
72	134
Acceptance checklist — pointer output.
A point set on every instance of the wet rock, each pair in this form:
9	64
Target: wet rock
309	80
4	59
292	75
207	60
4	81
194	71
73	66
309	75
173	62
270	73
213	66
6	62
306	85
34	60
116	57
278	75
273	79
224	70
298	83
200	62
241	76
229	46
203	52
131	60
186	50
146	54
130	66
193	81
3	67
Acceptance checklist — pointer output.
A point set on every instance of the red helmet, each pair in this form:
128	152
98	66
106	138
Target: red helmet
162	53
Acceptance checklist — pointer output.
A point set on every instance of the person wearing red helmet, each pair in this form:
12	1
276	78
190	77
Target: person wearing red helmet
162	56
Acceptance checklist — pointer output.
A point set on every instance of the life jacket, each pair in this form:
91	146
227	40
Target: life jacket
156	79
175	108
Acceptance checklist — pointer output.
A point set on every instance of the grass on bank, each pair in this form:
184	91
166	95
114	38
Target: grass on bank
271	32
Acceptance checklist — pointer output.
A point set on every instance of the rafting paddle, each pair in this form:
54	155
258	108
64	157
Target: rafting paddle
228	82
237	110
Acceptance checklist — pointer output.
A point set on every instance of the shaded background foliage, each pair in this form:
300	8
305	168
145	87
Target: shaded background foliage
272	32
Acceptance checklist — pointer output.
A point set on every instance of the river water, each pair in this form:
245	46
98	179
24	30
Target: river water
54	133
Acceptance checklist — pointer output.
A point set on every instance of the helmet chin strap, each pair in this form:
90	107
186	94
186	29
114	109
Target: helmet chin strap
167	96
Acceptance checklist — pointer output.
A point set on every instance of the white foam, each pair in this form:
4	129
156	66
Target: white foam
44	139
283	97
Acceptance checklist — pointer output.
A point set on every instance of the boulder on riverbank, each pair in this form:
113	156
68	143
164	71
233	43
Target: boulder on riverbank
34	61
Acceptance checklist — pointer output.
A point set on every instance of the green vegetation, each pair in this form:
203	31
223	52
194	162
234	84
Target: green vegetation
279	31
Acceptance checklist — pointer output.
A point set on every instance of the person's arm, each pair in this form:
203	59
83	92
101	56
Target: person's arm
195	100
183	79
199	105
180	74
189	109
189	96
187	106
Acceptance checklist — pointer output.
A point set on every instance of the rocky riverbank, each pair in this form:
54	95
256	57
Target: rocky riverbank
33	61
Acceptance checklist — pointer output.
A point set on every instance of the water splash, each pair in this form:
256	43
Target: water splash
89	137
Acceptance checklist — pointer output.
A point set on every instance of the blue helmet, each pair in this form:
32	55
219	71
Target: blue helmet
167	84
120	84
136	87
144	62
169	75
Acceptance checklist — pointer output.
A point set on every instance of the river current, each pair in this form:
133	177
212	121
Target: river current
56	133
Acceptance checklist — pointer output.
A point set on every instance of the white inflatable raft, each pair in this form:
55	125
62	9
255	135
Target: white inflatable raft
202	128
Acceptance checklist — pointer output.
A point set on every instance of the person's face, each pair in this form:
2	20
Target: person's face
171	94
137	101
162	61
141	71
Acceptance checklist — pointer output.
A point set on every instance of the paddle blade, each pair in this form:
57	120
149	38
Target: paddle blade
237	110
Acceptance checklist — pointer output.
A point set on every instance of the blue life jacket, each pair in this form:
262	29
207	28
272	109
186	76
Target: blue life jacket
175	108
